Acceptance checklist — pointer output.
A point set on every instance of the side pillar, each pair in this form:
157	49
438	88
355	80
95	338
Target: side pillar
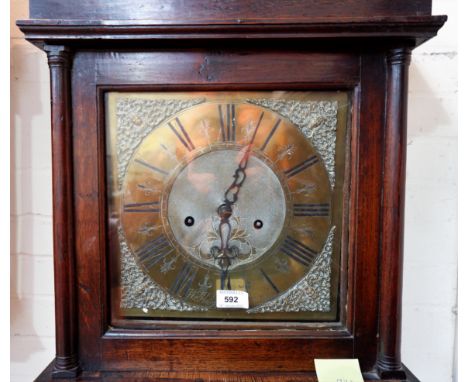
393	204
66	360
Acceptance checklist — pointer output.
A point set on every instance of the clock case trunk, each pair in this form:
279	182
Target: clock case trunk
365	56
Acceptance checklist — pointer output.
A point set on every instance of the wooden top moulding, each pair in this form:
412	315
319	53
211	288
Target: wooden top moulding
206	10
105	21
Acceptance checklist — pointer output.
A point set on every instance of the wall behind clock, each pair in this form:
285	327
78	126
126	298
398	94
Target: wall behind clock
429	297
430	266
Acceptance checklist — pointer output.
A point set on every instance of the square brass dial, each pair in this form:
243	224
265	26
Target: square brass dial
226	190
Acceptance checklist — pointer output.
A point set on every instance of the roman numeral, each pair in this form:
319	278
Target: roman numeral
228	130
141	207
267	278
298	251
256	128
313	209
270	135
301	166
184	280
154	251
180	133
151	167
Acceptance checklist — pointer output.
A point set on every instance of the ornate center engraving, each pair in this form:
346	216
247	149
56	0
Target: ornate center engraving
250	243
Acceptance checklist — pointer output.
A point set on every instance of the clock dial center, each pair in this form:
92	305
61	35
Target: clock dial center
198	191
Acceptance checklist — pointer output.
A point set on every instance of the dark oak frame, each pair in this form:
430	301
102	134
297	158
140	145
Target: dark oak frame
94	91
371	61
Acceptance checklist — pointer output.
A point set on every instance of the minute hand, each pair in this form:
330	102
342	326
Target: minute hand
231	194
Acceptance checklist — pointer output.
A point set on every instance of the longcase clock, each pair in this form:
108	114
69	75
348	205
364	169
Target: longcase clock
228	184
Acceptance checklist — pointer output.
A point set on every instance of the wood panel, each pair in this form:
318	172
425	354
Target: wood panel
257	68
366	197
192	10
221	354
90	213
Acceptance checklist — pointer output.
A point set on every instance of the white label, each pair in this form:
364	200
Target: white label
338	370
236	299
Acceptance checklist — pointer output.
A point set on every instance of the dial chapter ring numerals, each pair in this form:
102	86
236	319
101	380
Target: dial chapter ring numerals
227	122
311	209
158	160
141	207
152	252
298	251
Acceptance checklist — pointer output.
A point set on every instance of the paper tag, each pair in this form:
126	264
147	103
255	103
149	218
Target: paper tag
338	370
237	299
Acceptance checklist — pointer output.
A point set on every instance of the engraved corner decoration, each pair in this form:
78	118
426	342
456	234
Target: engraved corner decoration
137	117
312	293
140	292
317	121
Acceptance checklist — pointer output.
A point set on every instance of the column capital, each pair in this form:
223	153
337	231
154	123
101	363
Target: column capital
399	56
58	55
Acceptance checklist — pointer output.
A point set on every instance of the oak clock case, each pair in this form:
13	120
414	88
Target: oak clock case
201	146
226	190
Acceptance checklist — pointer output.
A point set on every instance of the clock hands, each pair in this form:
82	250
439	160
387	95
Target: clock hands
227	253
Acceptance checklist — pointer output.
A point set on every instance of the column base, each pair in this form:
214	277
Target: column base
65	368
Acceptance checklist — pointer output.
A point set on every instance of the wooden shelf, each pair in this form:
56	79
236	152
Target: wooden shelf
86	32
140	376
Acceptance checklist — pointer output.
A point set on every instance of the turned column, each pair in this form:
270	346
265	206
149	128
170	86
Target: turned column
393	204
66	360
